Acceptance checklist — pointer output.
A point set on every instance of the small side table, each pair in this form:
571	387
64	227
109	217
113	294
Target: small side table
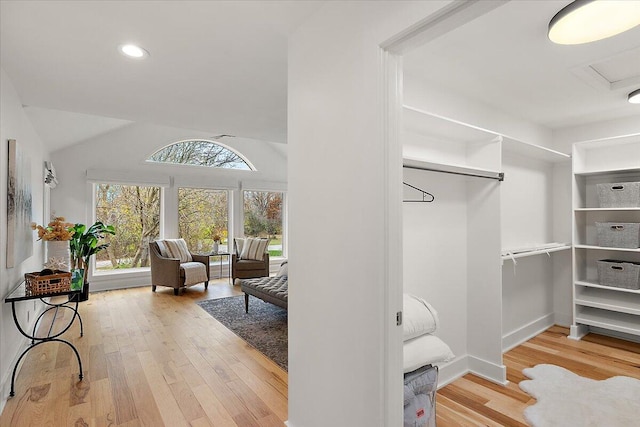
222	255
20	294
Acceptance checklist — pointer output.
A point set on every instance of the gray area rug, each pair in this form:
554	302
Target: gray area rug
264	327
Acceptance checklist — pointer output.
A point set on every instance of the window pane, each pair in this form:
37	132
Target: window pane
134	211
200	153
263	218
203	215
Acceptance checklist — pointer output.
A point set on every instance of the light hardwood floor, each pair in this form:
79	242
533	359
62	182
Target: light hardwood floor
150	359
159	360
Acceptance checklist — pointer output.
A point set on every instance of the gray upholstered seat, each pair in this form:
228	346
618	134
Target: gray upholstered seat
274	290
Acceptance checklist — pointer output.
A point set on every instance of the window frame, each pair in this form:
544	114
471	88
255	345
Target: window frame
285	224
99	276
244	158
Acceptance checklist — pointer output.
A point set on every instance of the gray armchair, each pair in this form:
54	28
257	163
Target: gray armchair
170	272
248	268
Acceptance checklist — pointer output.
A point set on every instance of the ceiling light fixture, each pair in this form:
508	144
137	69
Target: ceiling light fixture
133	51
634	97
584	21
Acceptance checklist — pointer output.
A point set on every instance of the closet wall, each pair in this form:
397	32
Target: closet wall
532	286
453	248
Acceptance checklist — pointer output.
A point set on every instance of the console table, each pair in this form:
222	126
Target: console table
20	294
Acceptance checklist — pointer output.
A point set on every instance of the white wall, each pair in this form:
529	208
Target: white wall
432	97
563	139
124	151
434	252
15	125
119	156
534	212
337	193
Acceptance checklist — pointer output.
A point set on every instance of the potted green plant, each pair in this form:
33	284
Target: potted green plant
84	243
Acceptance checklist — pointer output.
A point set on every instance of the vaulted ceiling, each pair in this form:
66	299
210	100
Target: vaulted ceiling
221	66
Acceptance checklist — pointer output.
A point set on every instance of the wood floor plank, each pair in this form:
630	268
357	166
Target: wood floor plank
167	405
214	409
120	392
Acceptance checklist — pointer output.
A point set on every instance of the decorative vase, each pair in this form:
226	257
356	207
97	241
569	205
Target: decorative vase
215	247
77	278
58	253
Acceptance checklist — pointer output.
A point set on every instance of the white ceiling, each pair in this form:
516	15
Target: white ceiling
504	59
221	66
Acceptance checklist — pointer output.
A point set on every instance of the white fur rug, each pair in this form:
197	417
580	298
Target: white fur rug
567	399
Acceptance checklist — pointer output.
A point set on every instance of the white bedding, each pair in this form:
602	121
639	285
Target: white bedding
419	317
425	350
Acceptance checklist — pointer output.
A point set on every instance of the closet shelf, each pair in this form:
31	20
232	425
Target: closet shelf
606	248
607	171
621	322
539	250
605	209
609	288
605	302
476	133
451	168
533	150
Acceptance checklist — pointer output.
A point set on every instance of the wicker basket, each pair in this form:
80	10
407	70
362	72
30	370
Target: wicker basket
35	284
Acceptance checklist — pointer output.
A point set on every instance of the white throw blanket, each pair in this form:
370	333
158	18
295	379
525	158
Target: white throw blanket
194	273
419	317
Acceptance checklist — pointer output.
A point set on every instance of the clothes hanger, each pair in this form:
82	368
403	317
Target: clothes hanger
425	194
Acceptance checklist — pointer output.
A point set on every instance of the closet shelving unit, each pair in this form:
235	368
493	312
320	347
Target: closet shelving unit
432	142
608	309
485	164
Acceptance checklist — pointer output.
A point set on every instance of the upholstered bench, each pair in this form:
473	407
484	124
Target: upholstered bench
269	289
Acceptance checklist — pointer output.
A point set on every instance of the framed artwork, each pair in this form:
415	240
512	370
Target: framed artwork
19	207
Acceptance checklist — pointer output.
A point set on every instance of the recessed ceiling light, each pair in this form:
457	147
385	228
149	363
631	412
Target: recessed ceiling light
584	21
133	51
634	97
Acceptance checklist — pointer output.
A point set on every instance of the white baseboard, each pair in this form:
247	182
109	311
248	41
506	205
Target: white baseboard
449	372
466	364
526	332
131	280
488	370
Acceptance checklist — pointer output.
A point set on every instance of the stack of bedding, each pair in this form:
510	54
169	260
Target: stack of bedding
422	350
421	347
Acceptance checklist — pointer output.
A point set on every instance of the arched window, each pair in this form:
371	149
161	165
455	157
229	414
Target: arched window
199	152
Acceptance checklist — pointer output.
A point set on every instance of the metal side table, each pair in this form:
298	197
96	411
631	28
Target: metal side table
20	294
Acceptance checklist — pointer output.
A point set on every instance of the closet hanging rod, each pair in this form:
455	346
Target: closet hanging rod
456	170
424	195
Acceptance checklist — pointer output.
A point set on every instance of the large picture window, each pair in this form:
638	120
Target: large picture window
263	217
202	215
134	211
